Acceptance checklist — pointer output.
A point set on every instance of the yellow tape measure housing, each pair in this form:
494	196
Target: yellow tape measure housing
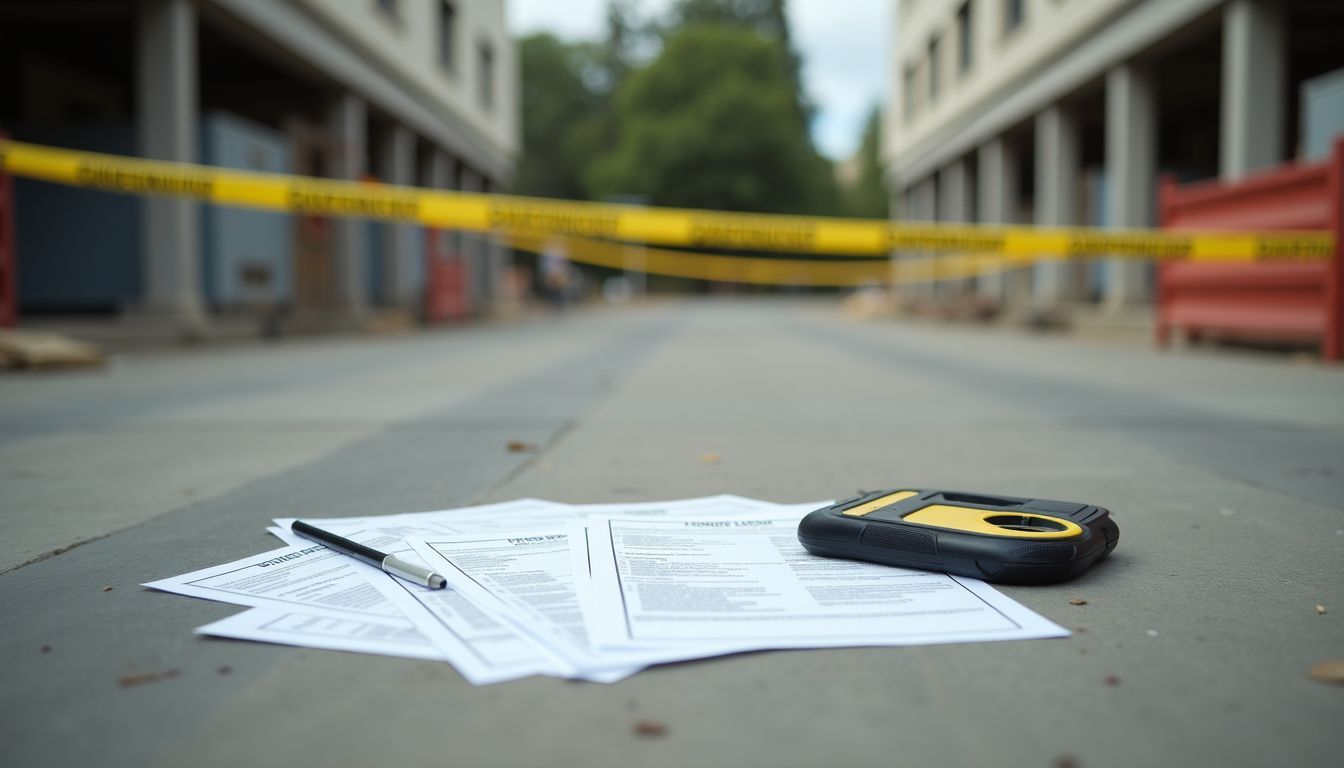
998	538
877	504
1017	525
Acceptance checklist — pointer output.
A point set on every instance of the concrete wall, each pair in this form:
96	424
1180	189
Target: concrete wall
1068	69
248	255
1322	114
374	72
407	43
78	249
999	57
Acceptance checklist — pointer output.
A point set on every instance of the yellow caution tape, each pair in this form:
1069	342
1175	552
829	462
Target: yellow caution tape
703	266
661	226
763	271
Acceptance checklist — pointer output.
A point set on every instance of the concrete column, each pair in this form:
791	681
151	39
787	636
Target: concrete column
396	165
347	124
441	247
954	206
496	259
925	210
438	170
474	251
900	205
1057	162
924	200
441	173
1131	167
1254	87
997	168
168	122
918	206
954	191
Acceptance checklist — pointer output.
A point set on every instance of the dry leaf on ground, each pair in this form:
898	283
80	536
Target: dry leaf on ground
130	681
1331	671
28	349
650	728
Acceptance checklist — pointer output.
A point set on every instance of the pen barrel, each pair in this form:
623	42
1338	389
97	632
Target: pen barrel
338	543
411	572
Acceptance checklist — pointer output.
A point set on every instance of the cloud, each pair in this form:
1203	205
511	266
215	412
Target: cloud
845	65
570	20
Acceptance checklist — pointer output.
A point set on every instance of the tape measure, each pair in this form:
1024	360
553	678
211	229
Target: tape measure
996	538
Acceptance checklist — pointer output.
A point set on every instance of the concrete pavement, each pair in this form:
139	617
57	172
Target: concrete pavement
1225	473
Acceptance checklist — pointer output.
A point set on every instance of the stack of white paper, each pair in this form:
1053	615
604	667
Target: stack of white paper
594	592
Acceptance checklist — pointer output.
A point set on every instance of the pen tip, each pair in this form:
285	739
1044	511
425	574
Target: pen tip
437	582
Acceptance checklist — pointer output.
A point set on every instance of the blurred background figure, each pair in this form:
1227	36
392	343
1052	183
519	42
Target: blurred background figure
557	275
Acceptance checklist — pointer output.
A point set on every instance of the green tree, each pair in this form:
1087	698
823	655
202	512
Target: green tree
768	18
616	57
556	104
713	122
567	89
867	197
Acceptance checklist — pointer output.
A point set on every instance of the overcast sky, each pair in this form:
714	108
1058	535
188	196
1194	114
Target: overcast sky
843	44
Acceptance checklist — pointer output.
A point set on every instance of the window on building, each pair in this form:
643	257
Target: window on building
935	51
447	35
965	39
1014	12
485	74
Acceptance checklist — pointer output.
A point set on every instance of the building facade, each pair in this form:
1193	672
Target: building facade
1066	112
420	92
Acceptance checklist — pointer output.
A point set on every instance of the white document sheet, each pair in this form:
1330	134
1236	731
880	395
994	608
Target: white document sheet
723	504
316	580
525	513
530	580
679	581
526	580
496	650
580	549
307	576
386	637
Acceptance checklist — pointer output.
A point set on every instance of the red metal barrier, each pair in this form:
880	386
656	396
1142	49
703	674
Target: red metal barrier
1291	302
9	278
446	295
